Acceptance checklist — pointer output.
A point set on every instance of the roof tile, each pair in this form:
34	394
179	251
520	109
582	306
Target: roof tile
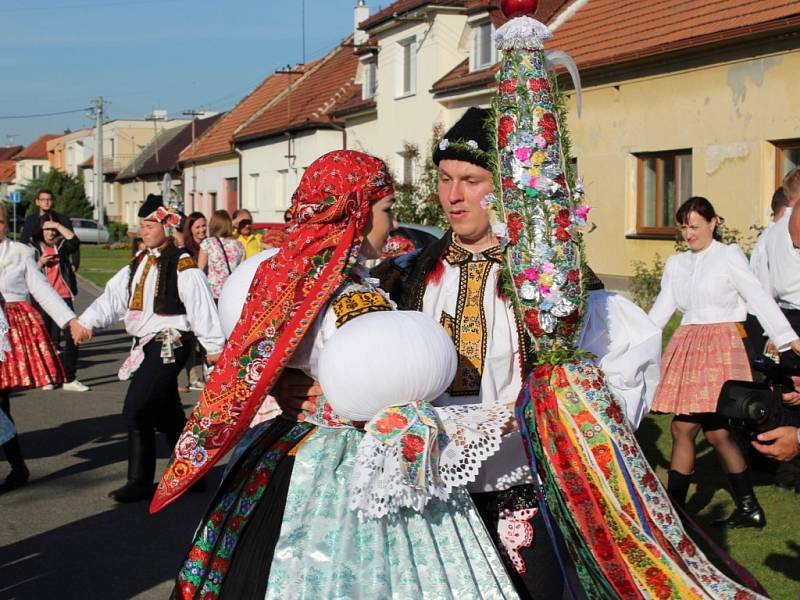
313	98
401	7
9	152
38	149
8	170
217	140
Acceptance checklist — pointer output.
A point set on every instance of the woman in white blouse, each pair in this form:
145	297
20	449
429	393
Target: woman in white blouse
711	285
31	360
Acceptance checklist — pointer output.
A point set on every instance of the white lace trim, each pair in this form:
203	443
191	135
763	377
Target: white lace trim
468	435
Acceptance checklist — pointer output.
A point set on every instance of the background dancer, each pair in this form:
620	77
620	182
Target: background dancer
165	301
32	361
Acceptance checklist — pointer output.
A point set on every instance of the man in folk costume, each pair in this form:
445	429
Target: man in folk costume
459	281
165	301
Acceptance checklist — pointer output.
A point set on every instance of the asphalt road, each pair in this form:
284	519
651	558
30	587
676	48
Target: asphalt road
60	536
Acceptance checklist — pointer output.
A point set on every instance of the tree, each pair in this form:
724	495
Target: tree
418	202
69	196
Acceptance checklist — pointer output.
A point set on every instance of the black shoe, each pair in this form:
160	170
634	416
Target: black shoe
141	468
17	478
748	512
133	491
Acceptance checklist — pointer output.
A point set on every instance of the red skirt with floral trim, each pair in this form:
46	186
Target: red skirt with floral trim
33	361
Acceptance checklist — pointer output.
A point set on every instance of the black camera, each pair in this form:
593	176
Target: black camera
754	408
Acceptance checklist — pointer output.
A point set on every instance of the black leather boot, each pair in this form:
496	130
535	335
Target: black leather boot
19	471
141	468
748	512
678	487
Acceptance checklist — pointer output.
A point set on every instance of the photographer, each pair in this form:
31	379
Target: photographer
782	443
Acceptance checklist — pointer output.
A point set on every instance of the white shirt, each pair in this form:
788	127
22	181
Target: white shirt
20	277
714	286
628	349
783	264
759	264
201	315
501	379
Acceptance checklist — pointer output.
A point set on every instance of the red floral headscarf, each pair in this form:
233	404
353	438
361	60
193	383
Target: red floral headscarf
328	215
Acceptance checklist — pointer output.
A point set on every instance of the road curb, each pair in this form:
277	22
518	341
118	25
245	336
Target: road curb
89	284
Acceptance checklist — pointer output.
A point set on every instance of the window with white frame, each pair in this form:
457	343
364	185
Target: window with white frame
254	189
37	171
407	67
369	87
484	53
406	160
282	199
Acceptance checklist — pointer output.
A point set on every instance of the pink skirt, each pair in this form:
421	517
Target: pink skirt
697	361
33	361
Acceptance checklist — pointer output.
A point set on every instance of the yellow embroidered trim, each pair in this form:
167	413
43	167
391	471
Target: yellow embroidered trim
468	327
137	299
354	304
186	262
301	443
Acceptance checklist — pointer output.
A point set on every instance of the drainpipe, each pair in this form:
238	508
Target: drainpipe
341	128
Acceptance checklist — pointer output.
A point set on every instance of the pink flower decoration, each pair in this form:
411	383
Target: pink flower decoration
540	142
548	267
545	289
583	211
531	274
523	153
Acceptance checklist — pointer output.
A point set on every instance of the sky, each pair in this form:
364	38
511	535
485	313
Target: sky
58	55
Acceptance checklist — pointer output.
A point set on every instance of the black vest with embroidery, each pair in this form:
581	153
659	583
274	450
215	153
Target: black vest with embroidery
167	301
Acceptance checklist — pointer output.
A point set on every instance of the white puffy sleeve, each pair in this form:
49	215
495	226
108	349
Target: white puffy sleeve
45	295
759	265
111	305
664	306
628	349
764	307
201	312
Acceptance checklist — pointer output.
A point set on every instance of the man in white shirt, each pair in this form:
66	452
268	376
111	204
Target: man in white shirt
778	268
164	300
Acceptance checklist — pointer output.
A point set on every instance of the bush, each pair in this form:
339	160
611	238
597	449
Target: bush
69	196
117	231
419	202
646	282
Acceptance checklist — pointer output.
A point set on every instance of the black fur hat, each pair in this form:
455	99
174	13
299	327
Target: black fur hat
151	205
469	139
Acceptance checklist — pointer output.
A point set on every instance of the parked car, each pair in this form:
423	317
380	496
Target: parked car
420	235
90	232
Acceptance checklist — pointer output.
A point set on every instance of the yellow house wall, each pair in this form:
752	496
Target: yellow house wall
727	114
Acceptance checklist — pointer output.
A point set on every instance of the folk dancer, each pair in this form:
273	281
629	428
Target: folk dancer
165	301
31	361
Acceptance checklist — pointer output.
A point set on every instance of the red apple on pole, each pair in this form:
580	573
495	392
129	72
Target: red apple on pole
518	8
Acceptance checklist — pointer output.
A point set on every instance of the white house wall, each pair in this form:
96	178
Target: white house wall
268	177
207	179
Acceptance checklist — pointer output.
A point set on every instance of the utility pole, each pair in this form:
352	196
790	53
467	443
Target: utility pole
154	117
98	159
303	18
194	114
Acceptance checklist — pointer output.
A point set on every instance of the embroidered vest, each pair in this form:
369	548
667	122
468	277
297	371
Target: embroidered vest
167	302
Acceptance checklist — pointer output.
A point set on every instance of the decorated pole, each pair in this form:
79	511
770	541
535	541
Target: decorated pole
597	489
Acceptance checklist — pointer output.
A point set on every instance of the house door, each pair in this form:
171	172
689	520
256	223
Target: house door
231	194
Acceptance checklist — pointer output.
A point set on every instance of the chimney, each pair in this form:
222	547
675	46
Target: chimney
361	14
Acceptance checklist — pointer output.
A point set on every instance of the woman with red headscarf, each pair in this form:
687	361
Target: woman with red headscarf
283	524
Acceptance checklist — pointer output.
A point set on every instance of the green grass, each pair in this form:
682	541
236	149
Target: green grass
99	264
772	554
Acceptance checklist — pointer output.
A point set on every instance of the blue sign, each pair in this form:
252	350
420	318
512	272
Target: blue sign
15	197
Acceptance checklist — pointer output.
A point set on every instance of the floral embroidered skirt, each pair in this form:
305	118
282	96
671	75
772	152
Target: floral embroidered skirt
319	548
33	361
697	361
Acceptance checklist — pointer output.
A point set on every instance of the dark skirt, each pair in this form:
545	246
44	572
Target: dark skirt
232	550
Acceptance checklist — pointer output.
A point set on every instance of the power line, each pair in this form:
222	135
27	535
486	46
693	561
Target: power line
53	114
